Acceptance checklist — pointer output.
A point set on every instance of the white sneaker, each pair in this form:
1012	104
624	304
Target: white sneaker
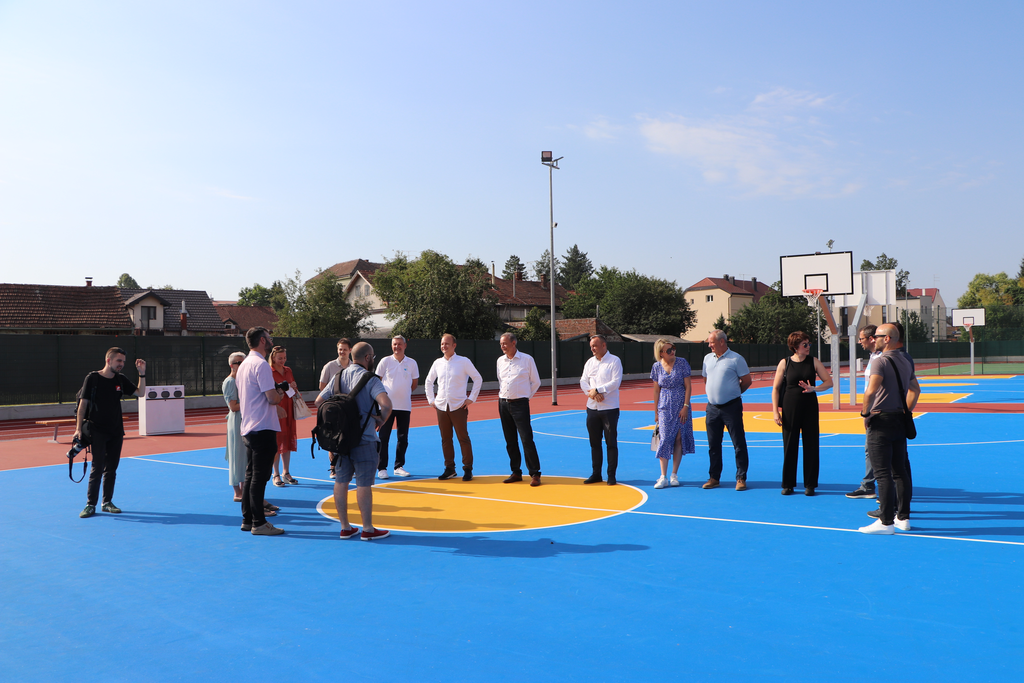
400	472
383	474
674	481
903	524
661	483
877	527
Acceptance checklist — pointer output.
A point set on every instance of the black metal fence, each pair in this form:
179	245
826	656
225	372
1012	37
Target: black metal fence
51	368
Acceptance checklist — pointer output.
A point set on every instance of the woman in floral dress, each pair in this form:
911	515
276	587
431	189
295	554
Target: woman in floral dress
671	377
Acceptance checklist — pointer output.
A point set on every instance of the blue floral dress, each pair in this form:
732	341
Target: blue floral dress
673	394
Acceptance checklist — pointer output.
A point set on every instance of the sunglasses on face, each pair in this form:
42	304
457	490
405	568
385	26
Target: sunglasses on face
670	349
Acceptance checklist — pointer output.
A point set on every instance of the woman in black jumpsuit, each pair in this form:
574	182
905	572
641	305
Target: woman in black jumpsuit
799	410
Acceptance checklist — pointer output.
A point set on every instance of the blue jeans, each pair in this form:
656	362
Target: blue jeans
726	415
887	446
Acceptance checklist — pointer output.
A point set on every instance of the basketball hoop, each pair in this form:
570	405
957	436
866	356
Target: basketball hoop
968	326
812	295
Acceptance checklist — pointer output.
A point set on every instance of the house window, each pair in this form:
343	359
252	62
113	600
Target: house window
148	313
709	298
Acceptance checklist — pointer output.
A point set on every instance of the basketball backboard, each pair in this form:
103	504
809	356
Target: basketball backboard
832	273
879	285
968	316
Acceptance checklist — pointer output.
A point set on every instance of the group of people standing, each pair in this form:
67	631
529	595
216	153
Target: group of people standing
261	435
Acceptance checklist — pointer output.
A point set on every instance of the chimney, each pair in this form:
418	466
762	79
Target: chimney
494	275
543	281
184	319
88	282
732	281
726	276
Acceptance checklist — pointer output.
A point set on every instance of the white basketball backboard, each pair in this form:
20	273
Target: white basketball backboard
968	316
832	272
879	285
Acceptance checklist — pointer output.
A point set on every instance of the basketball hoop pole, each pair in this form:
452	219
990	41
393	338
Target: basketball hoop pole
970	331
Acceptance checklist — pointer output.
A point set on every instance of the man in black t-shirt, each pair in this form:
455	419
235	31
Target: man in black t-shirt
100	404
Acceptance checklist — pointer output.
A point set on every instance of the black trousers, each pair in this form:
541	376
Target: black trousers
260	448
515	424
106	456
887	446
797	418
603	423
402	417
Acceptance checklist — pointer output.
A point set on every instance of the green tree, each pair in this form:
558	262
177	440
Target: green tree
772	318
916	330
575	268
430	295
512	266
126	281
884	262
258	295
631	303
536	328
985	290
720	324
542	266
318	309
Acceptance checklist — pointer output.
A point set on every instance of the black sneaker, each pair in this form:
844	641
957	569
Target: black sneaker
877	514
468	476
594	479
447	474
861	492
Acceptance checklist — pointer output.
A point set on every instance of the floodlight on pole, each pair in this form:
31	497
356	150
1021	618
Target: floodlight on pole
547	160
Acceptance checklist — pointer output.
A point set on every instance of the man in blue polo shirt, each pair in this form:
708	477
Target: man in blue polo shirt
726	378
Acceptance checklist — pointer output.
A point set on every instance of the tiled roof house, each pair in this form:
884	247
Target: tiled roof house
158	311
720	296
238	319
57	309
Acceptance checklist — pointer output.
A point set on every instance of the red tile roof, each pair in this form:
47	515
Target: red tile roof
56	307
245	317
755	288
349	268
201	316
927	291
528	293
571	328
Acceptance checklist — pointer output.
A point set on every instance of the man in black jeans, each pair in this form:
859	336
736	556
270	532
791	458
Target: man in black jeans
100	404
518	381
257	398
887	438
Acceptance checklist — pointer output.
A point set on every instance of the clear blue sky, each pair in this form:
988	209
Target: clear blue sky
211	145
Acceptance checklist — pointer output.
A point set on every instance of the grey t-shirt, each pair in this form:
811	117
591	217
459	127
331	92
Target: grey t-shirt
887	399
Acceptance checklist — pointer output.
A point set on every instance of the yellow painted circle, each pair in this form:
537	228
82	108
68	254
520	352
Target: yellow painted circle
487	505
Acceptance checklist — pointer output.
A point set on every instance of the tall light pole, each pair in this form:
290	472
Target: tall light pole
545	158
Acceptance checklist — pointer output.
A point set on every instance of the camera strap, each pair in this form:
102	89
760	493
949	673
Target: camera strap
85	465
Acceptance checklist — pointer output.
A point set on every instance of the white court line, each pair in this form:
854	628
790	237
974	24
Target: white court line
632	511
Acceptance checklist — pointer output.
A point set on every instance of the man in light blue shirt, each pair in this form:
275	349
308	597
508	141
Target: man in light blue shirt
726	378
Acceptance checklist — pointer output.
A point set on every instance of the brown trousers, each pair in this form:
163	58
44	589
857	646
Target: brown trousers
447	420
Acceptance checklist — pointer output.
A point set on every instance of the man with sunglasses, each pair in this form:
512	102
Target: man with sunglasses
886	434
866	339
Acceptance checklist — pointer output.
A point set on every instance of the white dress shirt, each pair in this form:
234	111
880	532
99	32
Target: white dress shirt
517	376
605	375
452	376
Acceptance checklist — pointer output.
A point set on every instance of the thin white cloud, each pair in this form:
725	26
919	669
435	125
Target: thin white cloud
786	99
220	192
599	129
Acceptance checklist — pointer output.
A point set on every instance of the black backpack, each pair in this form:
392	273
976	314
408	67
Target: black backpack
338	429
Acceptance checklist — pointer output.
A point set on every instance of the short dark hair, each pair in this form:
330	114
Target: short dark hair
344	340
869	330
113	351
899	328
253	336
796	338
599	336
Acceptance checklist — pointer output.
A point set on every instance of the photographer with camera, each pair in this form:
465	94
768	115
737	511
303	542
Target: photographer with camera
101	426
258	395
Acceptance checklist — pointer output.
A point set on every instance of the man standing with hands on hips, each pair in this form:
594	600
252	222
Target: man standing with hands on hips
100	404
452	373
518	381
601	378
726	378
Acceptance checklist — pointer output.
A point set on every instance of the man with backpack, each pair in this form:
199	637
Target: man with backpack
335	416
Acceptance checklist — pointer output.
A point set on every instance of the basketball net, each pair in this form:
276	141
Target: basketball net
968	326
812	295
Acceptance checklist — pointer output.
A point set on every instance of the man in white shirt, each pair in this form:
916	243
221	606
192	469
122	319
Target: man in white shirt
866	338
400	375
601	378
452	373
257	396
332	368
518	381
